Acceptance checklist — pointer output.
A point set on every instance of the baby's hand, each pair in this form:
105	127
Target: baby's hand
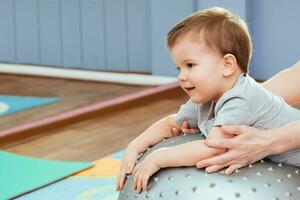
143	171
127	166
185	128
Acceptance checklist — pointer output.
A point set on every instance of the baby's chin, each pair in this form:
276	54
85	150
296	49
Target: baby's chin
199	100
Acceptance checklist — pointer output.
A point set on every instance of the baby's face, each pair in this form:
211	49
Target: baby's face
200	68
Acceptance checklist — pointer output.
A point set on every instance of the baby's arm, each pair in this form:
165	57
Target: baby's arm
155	133
186	154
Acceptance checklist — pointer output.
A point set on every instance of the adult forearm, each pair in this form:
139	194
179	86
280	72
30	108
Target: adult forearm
155	133
285	138
186	154
286	84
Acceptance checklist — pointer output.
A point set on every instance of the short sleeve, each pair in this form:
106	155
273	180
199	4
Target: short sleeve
188	112
234	111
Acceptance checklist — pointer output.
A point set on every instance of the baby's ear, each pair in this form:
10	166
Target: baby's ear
229	65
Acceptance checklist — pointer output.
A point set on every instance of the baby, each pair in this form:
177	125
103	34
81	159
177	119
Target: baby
211	50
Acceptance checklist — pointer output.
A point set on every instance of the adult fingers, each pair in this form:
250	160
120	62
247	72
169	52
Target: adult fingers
214	168
232	168
221	159
234	129
220	143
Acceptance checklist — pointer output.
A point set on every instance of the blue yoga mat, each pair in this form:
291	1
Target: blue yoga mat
20	174
11	104
97	183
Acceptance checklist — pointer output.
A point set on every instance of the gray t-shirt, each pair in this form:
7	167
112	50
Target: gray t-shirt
246	103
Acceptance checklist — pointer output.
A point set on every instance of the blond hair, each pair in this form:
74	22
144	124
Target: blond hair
220	29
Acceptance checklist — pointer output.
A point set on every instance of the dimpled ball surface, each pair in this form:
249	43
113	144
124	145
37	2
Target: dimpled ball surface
260	181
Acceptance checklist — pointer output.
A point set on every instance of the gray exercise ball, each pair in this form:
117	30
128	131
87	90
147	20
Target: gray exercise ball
260	181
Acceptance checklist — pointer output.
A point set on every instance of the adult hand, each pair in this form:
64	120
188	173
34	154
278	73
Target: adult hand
246	147
185	128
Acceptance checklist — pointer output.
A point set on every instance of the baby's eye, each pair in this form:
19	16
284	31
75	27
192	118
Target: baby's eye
190	65
178	68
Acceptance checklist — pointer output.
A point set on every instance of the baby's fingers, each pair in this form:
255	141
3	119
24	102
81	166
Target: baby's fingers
121	178
120	182
190	130
117	185
130	166
145	182
186	128
175	132
139	183
135	178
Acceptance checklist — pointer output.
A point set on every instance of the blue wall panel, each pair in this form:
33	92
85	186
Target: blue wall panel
116	34
50	32
27	31
236	6
138	35
93	38
164	15
276	36
7	31
71	33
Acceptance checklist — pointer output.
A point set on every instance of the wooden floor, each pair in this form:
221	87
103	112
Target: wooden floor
94	138
99	136
73	94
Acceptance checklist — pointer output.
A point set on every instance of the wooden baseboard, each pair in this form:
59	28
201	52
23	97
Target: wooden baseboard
24	131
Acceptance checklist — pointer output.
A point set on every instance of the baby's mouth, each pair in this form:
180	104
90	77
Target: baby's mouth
189	88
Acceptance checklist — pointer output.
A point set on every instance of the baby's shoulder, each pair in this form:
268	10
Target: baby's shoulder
249	92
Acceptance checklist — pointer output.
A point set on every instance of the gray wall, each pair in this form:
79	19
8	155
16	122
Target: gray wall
129	35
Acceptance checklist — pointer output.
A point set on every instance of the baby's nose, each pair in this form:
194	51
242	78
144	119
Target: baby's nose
181	77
